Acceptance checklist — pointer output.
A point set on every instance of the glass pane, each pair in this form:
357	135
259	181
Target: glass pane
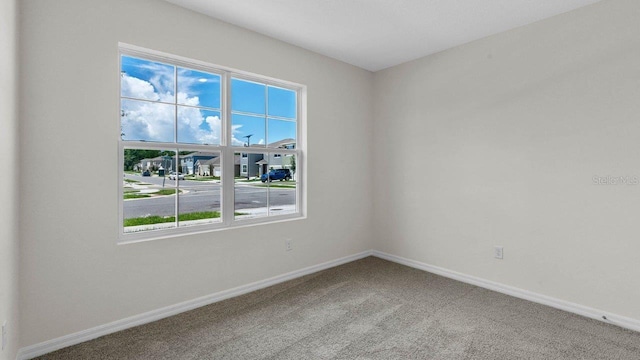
247	96
250	192
282	102
148	121
248	131
200	188
281	184
282	134
148	80
149	197
197	88
197	126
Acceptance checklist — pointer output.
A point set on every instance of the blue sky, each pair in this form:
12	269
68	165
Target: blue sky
153	121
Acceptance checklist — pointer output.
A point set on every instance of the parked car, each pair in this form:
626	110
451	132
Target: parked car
276	174
173	176
146	173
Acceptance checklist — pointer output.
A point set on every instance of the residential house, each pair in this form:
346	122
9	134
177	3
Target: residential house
212	167
156	163
254	165
188	162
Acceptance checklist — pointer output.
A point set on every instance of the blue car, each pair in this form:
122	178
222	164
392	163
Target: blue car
276	174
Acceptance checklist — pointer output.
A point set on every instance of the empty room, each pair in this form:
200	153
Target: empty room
320	179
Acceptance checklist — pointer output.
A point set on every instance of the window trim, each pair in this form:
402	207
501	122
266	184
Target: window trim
225	148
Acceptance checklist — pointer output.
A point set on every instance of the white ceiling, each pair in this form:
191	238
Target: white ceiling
376	34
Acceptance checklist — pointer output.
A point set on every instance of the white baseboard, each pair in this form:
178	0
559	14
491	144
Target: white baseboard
32	351
35	350
625	322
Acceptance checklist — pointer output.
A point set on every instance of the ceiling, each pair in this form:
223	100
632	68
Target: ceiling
376	34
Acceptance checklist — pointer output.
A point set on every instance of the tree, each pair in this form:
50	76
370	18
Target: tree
292	164
133	156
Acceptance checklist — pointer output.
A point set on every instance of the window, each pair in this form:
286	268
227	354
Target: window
204	147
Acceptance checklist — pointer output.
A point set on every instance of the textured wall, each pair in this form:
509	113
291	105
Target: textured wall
496	143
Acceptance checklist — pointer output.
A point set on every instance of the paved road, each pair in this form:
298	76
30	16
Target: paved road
203	196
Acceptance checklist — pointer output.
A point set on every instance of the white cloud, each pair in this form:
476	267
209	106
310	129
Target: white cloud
234	140
136	88
147	121
150	121
163	78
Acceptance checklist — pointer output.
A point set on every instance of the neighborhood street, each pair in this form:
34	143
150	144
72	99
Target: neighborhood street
203	196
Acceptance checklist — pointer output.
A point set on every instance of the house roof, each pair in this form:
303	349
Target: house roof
276	144
201	154
282	143
157	158
214	161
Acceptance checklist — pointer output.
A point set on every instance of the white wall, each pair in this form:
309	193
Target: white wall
496	143
73	275
9	245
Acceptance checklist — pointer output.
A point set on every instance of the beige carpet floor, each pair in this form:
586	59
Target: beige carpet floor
367	309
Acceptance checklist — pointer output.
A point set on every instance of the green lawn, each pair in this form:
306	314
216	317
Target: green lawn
135	196
166	192
149	220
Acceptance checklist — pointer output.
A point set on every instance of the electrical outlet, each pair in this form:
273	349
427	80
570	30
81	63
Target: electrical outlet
288	244
4	334
498	252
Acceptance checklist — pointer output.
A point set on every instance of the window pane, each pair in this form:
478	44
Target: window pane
282	134
248	130
148	121
197	126
148	80
282	102
149	197
197	88
247	96
200	188
281	184
250	193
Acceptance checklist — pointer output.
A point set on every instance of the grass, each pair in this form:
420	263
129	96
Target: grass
165	192
131	181
135	196
155	219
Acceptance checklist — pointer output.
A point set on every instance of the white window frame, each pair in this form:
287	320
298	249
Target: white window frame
225	149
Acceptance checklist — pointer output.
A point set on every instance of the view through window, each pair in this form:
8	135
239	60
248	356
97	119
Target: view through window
204	147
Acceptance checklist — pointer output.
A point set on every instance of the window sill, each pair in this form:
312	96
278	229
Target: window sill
133	238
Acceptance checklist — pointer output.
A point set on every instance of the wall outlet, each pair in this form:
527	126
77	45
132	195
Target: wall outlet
4	334
498	252
288	244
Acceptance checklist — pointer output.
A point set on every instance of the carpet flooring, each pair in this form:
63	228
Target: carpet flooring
367	309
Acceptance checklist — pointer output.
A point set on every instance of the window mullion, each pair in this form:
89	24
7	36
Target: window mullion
175	140
228	157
